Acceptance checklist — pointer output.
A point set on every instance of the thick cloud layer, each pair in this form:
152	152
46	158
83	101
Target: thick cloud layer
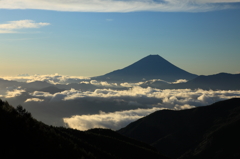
177	96
113	120
141	101
103	83
118	5
80	107
51	78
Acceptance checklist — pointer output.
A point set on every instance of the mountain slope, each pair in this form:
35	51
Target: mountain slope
216	81
223	81
150	67
193	133
23	136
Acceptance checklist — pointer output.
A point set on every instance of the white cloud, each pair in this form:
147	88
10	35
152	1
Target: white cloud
157	81
22	24
103	83
85	82
217	1
11	26
42	94
34	100
169	97
114	120
148	99
180	81
118	5
126	84
7	32
14	93
50	78
177	99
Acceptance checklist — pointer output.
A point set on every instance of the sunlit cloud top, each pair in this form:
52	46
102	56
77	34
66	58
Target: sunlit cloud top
50	78
118	5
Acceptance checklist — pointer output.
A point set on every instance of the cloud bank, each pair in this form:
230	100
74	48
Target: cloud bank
12	26
13	92
80	107
50	78
142	102
119	5
197	97
113	120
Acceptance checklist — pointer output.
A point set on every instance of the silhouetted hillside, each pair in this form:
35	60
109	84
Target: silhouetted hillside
24	137
203	132
150	67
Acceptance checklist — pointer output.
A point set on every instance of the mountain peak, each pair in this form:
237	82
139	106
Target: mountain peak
153	55
147	68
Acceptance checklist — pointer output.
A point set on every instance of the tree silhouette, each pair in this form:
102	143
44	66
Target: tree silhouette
23	111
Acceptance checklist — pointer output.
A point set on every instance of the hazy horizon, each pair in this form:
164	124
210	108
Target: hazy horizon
13	75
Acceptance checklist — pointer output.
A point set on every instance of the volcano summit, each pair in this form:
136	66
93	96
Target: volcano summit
149	67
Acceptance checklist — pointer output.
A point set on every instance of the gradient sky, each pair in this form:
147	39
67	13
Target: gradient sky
94	37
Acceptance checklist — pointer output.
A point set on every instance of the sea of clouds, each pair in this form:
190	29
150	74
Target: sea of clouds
144	100
107	107
50	78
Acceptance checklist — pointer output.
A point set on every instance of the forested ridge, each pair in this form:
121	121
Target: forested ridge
24	136
206	132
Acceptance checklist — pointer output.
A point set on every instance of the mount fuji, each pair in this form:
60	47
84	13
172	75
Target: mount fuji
147	68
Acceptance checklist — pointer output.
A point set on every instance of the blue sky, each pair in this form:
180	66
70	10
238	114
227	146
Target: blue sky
94	37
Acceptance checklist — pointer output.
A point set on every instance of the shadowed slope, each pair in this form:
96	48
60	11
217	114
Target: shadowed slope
202	132
24	137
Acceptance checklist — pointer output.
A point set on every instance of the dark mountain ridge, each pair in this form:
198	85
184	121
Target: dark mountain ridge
150	67
221	81
202	132
24	137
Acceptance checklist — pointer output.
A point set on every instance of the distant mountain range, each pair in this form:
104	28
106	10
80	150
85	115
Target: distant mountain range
153	70
150	67
208	132
223	81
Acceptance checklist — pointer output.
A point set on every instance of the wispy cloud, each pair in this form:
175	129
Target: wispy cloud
118	5
180	81
34	100
12	26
